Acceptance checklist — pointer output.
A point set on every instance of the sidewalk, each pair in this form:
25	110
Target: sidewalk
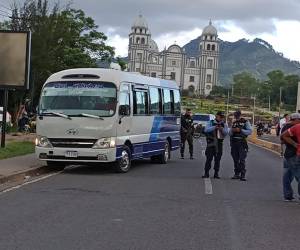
21	167
270	138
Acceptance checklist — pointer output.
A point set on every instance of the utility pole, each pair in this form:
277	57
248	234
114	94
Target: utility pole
269	103
280	95
298	98
227	108
253	111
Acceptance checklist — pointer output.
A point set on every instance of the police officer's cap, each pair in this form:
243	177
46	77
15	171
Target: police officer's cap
237	113
220	113
295	116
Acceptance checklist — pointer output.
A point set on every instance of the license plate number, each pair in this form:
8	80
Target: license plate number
71	154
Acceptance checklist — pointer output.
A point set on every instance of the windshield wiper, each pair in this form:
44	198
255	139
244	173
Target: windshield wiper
57	114
92	116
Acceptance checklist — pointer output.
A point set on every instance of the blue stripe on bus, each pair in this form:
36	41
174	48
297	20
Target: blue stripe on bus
163	124
162	127
148	149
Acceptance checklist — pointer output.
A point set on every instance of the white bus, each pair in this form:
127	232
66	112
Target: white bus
106	115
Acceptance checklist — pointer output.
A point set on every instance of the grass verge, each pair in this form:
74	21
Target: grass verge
13	149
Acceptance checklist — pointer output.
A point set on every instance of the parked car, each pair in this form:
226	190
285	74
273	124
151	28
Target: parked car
203	118
8	118
200	121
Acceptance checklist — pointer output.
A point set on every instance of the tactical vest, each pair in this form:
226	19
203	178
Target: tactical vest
187	122
239	124
210	137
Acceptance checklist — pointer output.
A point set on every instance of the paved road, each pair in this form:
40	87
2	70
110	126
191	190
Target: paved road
154	207
270	138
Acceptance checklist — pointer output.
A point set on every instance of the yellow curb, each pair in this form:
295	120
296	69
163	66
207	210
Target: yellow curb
265	144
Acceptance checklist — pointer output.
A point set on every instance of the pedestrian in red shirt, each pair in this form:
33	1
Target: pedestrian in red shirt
294	162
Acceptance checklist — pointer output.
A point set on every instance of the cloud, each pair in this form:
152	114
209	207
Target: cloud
178	15
179	20
257	26
180	38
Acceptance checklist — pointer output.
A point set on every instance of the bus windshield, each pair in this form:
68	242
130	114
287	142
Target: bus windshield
75	98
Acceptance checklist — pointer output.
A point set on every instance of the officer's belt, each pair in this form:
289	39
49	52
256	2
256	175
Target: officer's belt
239	138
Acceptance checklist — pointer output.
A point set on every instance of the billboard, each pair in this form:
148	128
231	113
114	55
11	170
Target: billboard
14	59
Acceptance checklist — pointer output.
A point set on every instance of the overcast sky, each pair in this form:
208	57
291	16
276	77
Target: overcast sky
276	21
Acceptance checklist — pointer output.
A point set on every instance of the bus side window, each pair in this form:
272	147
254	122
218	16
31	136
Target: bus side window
124	100
177	109
155	101
160	101
172	102
140	103
167	102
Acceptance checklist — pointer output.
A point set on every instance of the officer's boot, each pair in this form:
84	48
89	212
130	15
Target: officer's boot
236	176
242	178
206	174
236	173
216	175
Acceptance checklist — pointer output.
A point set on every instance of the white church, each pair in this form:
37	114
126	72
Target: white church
195	73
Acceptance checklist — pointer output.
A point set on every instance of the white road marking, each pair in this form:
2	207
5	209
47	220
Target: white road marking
117	220
208	186
30	182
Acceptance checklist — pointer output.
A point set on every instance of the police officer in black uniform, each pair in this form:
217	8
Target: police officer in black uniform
241	128
186	132
215	131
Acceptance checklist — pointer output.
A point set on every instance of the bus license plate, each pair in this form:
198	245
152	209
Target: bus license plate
71	154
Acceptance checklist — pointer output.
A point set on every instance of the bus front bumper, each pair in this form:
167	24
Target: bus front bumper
76	154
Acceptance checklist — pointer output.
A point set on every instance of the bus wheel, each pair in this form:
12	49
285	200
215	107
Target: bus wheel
166	155
124	163
56	165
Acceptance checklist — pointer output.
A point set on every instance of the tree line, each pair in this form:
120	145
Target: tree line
62	38
246	85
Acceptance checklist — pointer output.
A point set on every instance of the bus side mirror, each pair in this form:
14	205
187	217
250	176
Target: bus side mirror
123	110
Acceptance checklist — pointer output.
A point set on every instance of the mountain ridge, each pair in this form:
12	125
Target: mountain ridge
257	57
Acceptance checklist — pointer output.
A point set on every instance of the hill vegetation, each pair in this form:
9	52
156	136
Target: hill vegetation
257	57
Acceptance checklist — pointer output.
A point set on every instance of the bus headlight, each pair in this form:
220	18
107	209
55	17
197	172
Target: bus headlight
105	143
42	141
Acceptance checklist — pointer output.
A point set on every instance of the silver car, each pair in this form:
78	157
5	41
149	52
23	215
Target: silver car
203	118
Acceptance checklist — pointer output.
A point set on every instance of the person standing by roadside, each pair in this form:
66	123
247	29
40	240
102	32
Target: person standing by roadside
239	131
293	162
289	153
215	131
282	122
186	133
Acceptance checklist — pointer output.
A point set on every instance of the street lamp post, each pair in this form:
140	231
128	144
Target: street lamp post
254	97
280	96
227	106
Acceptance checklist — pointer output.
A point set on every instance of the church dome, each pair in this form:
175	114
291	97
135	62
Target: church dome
140	22
210	30
153	46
